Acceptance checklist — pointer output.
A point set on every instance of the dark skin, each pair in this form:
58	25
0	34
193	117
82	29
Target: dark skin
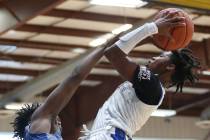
160	65
45	118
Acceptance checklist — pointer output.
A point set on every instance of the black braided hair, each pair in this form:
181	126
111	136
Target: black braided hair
184	63
23	119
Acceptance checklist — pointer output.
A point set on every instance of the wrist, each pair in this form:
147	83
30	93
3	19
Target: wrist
152	28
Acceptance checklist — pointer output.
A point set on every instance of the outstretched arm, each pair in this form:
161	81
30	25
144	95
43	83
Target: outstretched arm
57	100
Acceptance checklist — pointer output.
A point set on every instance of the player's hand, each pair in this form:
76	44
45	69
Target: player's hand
166	23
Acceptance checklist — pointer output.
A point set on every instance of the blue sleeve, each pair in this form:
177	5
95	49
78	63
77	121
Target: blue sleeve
147	86
37	136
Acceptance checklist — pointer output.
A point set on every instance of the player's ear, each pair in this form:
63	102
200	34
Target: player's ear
170	67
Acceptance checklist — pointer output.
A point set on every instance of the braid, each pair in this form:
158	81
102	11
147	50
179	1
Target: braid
184	63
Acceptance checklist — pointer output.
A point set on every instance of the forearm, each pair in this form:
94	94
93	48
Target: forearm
117	54
58	99
127	42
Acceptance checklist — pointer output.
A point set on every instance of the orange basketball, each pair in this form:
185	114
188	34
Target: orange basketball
182	35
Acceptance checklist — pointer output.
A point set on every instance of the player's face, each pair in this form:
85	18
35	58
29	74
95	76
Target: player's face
161	65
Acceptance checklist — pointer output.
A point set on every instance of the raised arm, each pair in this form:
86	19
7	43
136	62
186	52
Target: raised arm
146	85
117	54
42	118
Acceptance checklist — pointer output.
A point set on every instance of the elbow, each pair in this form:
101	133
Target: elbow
106	51
109	51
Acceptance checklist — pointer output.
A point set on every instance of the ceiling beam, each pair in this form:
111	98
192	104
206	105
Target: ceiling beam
56	61
200	100
37	72
202	29
42	82
198	85
204	77
16	13
60	31
32	59
104	65
91	16
10	83
106	18
6	86
207	51
24	10
40	45
104	78
17	71
200	50
107	78
64	47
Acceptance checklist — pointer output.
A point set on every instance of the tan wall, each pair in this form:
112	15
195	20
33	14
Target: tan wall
5	123
176	127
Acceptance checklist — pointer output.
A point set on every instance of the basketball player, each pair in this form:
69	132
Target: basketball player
132	103
41	122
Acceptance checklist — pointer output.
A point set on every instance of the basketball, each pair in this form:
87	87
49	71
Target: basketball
182	35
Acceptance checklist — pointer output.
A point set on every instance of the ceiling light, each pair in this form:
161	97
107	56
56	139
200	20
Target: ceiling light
163	113
97	42
8	63
120	3
108	36
14	77
122	28
7	48
101	40
79	50
90	83
100	71
15	106
206	72
11	32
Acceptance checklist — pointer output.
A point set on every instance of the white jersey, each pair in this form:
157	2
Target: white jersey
123	110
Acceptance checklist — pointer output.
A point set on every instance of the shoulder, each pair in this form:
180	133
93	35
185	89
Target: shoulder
144	77
147	86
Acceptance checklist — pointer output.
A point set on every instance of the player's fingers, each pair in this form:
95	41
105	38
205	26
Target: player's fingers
177	24
171	14
167	13
176	19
